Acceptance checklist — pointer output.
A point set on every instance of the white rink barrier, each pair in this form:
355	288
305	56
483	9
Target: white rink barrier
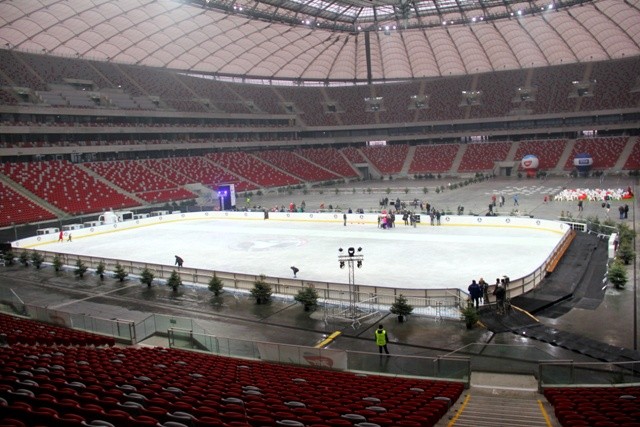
366	219
447	298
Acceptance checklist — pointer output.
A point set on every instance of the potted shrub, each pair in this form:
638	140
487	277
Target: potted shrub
261	290
215	285
626	252
617	274
401	308
81	268
100	269
174	281
37	259
8	257
470	316
120	272
57	263
146	277
24	258
625	232
308	297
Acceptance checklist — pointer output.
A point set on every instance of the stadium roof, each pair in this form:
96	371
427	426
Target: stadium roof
327	40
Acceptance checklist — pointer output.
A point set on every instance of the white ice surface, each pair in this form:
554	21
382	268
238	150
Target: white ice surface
403	257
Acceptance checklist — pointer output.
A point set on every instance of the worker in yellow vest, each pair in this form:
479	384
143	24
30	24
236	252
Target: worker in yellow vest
381	339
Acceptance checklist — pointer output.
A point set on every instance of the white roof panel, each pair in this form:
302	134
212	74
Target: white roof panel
181	35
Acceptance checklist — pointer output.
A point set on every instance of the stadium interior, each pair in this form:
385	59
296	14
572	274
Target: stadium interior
151	107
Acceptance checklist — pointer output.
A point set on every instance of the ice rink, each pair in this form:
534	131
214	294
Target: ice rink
402	257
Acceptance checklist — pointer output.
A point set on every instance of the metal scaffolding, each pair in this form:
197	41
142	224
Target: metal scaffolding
356	310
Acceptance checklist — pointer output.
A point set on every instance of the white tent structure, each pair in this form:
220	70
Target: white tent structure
326	40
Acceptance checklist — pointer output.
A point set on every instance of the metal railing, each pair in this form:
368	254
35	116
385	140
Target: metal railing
454	368
185	333
570	373
504	358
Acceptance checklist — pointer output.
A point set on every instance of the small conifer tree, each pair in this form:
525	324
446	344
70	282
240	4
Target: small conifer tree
617	274
215	285
24	258
626	252
81	268
261	290
401	307
120	272
174	281
146	277
100	269
57	263
8	257
308	297
37	259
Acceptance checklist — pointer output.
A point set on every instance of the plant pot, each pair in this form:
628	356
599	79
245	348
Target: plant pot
469	325
401	318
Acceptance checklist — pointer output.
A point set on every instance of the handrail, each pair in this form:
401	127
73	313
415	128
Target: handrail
559	373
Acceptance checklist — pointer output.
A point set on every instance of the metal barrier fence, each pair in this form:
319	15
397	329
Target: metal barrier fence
327	291
504	358
122	330
12	301
568	372
185	333
453	368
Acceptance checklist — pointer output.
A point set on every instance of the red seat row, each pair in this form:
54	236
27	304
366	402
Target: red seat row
53	384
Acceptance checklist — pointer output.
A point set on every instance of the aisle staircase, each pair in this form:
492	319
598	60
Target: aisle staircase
499	400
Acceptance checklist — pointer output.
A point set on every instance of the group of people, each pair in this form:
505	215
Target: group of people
61	237
480	291
499	199
410	218
624	211
434	216
386	220
401	205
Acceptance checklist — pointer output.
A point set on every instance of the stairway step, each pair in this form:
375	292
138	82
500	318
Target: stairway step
508	407
482	410
497	423
505	407
503	412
